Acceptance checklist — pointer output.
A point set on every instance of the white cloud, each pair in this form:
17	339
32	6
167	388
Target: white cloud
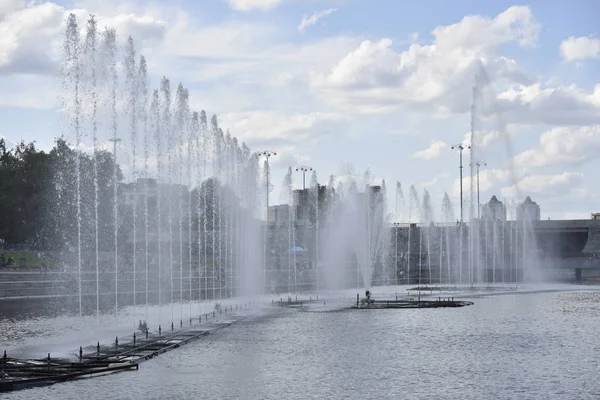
376	78
566	105
7	7
313	19
435	181
580	48
489	180
434	150
562	146
546	184
261	126
288	156
31	36
249	5
24	38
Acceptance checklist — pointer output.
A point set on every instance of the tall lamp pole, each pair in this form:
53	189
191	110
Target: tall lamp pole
302	211
304	170
478	165
460	147
267	154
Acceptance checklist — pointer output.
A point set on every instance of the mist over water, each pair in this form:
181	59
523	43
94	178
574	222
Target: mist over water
196	228
177	219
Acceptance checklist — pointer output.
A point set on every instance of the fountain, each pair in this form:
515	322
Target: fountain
164	216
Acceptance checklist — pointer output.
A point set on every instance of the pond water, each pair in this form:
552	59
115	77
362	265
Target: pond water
536	345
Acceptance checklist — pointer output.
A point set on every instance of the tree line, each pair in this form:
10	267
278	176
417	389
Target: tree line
38	194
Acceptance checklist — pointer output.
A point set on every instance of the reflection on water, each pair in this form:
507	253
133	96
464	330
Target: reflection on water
526	346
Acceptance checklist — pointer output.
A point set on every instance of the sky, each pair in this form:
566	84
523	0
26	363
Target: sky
346	85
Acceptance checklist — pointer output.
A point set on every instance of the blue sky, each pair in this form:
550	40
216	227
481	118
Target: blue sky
383	84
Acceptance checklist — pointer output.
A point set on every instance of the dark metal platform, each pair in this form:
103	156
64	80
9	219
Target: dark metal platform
104	359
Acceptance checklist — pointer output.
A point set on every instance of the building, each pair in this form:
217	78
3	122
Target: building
596	216
279	214
494	210
528	210
301	202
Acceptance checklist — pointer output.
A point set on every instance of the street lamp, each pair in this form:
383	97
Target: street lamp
460	147
304	170
478	164
267	154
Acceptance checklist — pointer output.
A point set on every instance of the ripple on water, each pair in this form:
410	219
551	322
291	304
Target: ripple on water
503	347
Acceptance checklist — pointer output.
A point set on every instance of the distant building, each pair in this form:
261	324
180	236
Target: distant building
494	210
596	216
301	200
279	214
528	210
147	187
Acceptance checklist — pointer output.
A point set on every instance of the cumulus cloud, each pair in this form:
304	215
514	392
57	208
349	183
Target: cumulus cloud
435	181
7	7
24	34
546	184
489	179
313	19
562	146
260	126
377	78
554	106
31	34
434	150
580	48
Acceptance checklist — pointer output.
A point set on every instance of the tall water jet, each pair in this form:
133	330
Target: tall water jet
204	199
132	109
155	116
227	208
165	88
182	119
448	215
110	52
219	205
143	88
90	52
399	204
192	153
413	202
427	220
286	197
200	126
214	130
72	68
266	228
383	229
315	190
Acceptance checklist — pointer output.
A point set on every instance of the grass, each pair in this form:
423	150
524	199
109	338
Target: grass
31	258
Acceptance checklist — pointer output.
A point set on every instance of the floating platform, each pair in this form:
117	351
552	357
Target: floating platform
117	357
440	303
379	304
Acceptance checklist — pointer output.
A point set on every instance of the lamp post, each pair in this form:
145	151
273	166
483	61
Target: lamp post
478	165
304	170
267	154
114	141
302	207
460	147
